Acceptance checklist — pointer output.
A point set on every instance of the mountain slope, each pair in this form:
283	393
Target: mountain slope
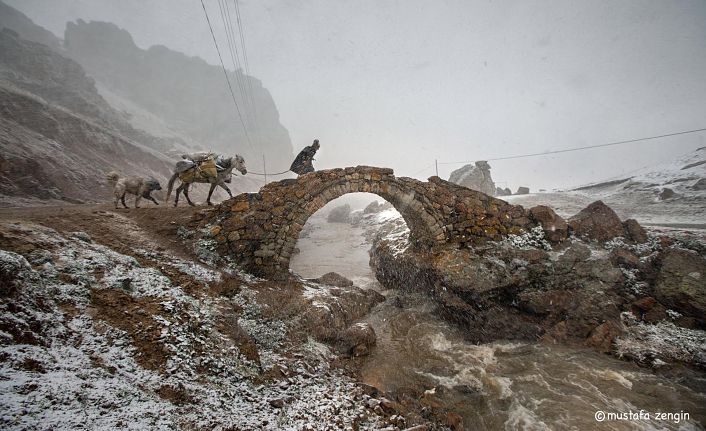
191	96
58	137
19	23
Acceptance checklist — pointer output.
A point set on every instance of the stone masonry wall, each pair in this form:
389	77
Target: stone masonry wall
259	230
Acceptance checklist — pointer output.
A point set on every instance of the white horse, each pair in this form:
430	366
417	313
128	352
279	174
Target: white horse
199	174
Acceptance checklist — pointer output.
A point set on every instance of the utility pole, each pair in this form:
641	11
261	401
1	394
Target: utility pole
436	164
264	168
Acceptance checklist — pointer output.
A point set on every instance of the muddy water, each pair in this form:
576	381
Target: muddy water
502	385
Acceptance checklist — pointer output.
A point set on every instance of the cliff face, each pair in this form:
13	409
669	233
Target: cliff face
186	92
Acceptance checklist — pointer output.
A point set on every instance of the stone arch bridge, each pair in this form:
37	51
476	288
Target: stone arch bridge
260	230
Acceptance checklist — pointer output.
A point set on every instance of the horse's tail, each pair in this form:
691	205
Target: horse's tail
112	177
170	186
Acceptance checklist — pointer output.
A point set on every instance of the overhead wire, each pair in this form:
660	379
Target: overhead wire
234	54
230	87
579	148
423	169
246	62
260	173
248	96
246	89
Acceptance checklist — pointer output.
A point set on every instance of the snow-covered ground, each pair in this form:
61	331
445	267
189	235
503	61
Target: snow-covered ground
643	196
94	339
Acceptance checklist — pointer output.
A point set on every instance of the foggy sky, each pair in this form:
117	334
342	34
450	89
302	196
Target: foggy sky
400	83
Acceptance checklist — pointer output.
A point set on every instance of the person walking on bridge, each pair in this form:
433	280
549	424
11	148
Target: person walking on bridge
302	164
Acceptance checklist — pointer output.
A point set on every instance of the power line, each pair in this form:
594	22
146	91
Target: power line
423	169
265	174
236	4
247	76
233	55
232	95
580	148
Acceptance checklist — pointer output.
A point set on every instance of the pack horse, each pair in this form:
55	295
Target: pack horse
204	168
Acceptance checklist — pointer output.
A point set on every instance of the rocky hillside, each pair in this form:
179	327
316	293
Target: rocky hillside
58	137
189	95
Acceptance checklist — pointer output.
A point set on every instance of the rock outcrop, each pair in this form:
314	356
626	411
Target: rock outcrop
358	339
634	232
597	222
577	294
334	279
554	227
340	214
376	207
502	192
522	190
475	178
681	282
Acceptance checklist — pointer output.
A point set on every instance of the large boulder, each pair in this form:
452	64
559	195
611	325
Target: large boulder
554	227
475	177
634	232
358	339
681	283
340	214
502	192
522	190
334	279
597	222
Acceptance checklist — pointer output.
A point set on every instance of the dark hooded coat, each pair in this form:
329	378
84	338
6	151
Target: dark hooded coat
302	164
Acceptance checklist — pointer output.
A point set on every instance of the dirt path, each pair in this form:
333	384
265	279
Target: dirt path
122	229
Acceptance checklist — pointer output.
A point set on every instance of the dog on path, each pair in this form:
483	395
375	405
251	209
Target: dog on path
138	186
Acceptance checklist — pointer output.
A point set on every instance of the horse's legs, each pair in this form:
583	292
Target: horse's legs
225	187
178	191
186	193
210	192
137	200
122	199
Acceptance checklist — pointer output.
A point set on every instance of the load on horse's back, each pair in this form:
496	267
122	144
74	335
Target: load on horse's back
197	172
204	167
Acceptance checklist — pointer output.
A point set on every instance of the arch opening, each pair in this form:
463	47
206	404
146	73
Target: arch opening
337	237
424	229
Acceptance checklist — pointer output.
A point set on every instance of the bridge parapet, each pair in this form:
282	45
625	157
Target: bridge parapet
260	230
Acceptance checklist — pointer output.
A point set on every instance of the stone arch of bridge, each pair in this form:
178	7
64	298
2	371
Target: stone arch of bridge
425	229
259	230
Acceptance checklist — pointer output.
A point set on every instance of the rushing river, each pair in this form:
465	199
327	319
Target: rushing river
502	385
